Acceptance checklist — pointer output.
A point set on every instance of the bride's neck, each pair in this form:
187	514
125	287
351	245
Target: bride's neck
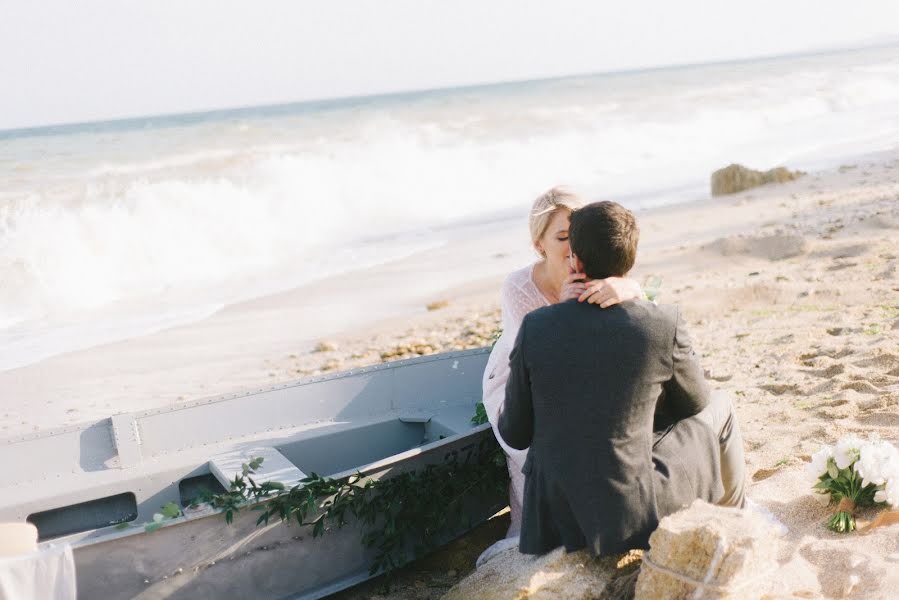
544	282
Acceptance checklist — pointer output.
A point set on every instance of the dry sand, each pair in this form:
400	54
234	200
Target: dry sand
791	292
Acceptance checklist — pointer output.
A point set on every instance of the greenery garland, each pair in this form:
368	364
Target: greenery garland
403	516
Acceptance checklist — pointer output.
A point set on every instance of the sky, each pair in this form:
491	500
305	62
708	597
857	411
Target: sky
67	62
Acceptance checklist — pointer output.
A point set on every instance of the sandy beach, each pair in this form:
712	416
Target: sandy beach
791	292
792	295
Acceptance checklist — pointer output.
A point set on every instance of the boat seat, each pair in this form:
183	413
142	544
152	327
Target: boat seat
275	467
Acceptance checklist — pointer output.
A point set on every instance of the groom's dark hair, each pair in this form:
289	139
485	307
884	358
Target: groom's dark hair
604	237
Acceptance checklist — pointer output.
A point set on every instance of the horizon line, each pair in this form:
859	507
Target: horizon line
350	100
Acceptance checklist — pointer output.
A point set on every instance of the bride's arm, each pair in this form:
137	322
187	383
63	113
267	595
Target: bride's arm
515	305
611	291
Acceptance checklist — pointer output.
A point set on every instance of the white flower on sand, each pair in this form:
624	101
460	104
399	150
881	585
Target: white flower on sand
847	451
878	461
818	467
890	493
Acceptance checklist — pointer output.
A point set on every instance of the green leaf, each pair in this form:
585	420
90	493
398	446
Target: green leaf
123	525
171	510
150	527
480	415
652	287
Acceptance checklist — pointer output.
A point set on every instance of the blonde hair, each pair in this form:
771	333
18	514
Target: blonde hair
547	205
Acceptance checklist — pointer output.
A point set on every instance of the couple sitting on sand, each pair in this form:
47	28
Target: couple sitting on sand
596	394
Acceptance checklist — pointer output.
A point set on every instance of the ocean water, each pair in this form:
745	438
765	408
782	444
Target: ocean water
113	230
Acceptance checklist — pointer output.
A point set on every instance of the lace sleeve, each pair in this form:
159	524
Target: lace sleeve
519	297
516	303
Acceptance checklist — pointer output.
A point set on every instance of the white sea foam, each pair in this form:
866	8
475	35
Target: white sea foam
205	213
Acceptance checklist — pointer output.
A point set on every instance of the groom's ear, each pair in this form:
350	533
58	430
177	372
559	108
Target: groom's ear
576	263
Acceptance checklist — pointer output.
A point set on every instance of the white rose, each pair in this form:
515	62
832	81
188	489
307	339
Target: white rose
890	493
818	467
877	460
847	451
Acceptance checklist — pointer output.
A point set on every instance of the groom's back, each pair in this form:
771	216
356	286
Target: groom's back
606	366
595	376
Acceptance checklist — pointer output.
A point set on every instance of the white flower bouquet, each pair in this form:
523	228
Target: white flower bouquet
855	473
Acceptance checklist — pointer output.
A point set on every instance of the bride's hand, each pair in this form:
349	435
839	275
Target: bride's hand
610	291
573	286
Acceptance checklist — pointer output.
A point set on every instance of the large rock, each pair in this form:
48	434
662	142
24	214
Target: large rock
710	551
736	178
558	575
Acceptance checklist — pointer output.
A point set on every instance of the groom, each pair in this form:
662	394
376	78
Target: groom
621	424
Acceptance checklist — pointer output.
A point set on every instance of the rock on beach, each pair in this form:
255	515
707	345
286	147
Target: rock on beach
557	575
715	551
736	178
727	553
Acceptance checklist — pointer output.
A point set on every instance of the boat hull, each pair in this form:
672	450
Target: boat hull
206	558
96	485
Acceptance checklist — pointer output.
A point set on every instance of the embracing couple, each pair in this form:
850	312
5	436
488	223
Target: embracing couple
596	394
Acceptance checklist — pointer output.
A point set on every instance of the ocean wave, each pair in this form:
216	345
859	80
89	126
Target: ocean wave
184	211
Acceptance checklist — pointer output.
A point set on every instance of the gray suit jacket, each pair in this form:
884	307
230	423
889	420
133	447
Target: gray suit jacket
582	394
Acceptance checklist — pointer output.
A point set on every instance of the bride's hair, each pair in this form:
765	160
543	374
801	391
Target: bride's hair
546	206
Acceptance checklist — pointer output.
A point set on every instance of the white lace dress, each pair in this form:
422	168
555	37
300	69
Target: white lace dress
519	297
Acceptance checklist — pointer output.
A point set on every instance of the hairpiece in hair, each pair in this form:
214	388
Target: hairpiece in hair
546	210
